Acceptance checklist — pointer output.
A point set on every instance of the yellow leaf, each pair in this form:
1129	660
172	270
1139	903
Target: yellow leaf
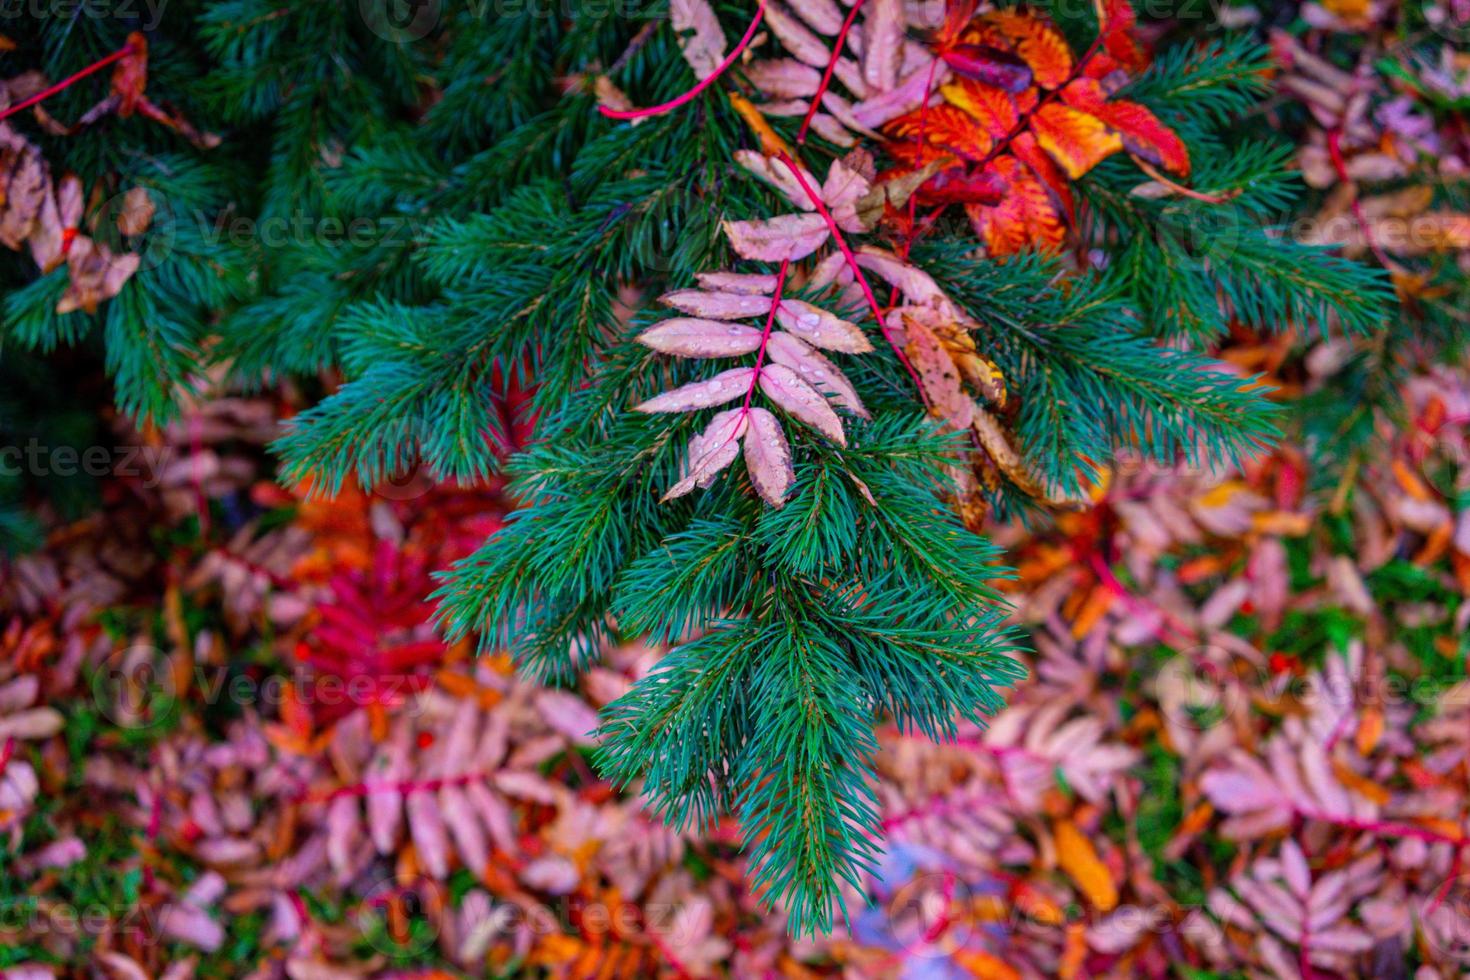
1078	858
1075	140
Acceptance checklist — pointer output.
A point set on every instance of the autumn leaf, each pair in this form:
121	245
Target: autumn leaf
768	457
1076	141
1078	858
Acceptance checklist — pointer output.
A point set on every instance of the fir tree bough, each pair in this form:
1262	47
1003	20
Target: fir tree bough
1040	286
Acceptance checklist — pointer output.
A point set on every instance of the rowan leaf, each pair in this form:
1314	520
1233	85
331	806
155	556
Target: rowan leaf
937	371
779	176
815	370
941	128
823	16
744	283
783	78
689	337
788	236
723	387
701	39
994	109
990	65
768	457
782	385
821	329
1039	43
711	451
1025	218
732	305
1075	140
883	30
1141	131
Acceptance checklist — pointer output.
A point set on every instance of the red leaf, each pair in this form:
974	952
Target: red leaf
960	186
943	126
1025	218
1140	129
990	65
1029	152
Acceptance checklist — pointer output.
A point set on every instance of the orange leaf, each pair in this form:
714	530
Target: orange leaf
1025	218
1370	730
1042	47
1075	140
1030	153
1099	600
983	966
1077	857
1140	129
943	126
995	108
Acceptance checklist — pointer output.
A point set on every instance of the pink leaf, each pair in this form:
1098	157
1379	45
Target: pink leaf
908	96
815	370
469	837
495	815
554	874
733	305
782	386
711	451
688	337
723	387
777	176
795	37
823	15
701	39
788	236
385	802
187	924
744	283
426	826
883	31
1294	868
784	78
569	714
843	188
818	327
768	457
